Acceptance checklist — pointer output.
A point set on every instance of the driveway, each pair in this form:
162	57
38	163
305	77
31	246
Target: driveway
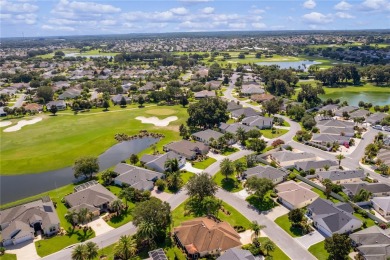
188	167
163	196
246	237
277	212
25	251
216	156
310	239
100	226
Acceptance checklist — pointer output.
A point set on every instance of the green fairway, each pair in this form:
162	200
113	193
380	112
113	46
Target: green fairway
277	253
286	225
204	164
57	141
234	219
318	250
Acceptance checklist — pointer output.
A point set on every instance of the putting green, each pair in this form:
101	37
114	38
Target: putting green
161	112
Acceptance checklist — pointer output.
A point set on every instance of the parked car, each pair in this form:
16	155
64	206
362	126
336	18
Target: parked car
378	127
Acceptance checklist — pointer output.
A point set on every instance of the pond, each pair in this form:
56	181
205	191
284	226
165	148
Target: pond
353	98
15	187
302	64
74	54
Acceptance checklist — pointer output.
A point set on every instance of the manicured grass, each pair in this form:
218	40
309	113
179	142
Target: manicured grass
230	184
234	219
264	204
175	253
267	133
49	246
67	137
277	253
185	176
229	151
286	225
204	164
108	252
230	121
318	250
123	218
369	222
8	257
323	196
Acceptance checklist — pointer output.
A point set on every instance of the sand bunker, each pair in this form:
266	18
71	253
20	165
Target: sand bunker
155	121
22	123
5	123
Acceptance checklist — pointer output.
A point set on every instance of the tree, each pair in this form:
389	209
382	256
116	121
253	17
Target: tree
272	106
71	217
241	135
215	71
328	187
106	104
79	252
53	109
384	168
227	167
127	194
45	92
171	165
174	181
257	145
256	228
295	216
260	186
141	101
86	166
240	167
123	102
277	143
184	101
338	246
207	113
126	247
83	215
92	250
308	121
362	195
116	206
269	246
134	159
147	231
201	186
310	94
107	176
296	112
340	157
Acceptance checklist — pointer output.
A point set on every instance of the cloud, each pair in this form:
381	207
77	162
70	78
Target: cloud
57	28
317	18
309	4
259	25
237	25
65	6
207	10
343	6
179	11
28	18
256	11
6	6
343	15
108	22
373	5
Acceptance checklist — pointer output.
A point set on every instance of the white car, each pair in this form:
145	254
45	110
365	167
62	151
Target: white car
378	127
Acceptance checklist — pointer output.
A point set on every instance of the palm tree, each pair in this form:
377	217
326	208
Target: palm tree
340	157
71	217
154	148
256	229
371	150
174	181
227	167
326	167
126	247
92	250
269	246
79	252
171	165
147	231
241	135
240	167
116	206
82	215
127	194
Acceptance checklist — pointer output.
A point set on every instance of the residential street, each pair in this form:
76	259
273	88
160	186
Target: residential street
19	101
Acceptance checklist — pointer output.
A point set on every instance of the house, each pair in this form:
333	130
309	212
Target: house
237	254
382	206
92	196
60	104
251	88
117	99
376	118
384	155
260	98
149	86
206	135
331	218
295	195
339	112
204	94
233	106
21	223
287	159
232	128
33	107
334	123
330	107
213	85
324	139
205	236
268	172
372	243
201	73
70	93
157	162
376	189
190	150
359	113
258	121
245	112
157	254
136	177
316	165
342	176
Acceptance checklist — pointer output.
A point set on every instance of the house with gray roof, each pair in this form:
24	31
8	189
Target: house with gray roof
70	93
232	128
372	243
251	88
321	122
258	121
384	155
206	135
339	112
19	224
347	131
376	189
157	162
236	254
359	113
382	206
324	139
117	99
376	118
136	177
204	94
287	159
306	166
60	104
90	195
331	107
233	106
342	176
268	172
330	218
190	150
246	112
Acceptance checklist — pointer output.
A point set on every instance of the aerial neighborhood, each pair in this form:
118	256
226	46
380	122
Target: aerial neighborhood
196	146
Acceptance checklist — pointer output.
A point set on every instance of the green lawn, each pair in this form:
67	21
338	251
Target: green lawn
286	225
108	252
66	137
229	151
369	221
318	250
277	254
234	219
205	163
123	218
323	196
185	176
230	184
267	133
264	204
8	257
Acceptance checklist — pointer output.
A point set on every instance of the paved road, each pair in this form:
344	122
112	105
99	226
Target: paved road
19	101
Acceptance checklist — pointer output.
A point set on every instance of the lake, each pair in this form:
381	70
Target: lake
75	54
302	64
15	187
353	98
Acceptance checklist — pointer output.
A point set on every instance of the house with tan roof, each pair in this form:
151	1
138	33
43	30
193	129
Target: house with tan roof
204	236
295	195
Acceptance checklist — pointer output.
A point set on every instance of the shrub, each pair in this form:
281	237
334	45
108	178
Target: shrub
160	184
239	229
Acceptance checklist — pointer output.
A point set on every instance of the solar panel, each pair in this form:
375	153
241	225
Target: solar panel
158	254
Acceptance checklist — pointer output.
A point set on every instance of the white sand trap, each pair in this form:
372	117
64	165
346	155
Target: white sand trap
155	121
5	123
22	123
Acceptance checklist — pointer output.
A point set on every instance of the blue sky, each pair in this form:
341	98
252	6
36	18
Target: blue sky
86	17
